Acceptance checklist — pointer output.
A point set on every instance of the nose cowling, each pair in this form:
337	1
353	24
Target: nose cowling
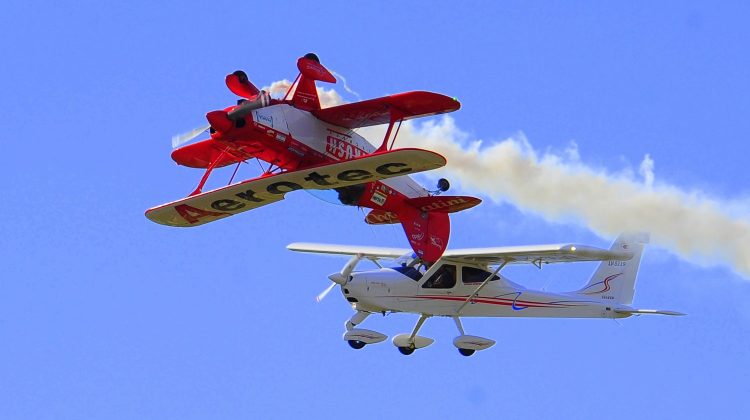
337	278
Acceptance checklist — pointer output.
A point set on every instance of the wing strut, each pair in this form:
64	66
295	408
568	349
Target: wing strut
210	168
481	286
396	116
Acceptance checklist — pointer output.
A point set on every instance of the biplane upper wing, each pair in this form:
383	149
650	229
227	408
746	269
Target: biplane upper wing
535	254
247	195
383	110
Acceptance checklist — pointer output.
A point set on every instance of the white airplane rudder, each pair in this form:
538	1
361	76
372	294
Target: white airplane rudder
615	280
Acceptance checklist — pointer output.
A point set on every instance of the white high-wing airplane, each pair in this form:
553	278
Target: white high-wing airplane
467	283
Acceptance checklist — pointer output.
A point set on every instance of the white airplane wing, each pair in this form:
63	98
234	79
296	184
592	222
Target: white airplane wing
535	254
530	254
369	252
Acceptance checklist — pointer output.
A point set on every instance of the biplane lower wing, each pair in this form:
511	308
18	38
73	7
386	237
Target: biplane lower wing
403	106
247	195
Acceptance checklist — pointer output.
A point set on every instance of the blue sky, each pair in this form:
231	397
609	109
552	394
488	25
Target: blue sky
104	314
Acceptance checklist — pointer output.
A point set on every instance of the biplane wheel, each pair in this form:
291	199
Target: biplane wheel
356	344
466	352
241	76
406	350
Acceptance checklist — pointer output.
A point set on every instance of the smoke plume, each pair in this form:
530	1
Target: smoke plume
561	188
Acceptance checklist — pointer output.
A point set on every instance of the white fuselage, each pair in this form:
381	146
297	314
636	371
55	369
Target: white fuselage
335	143
390	290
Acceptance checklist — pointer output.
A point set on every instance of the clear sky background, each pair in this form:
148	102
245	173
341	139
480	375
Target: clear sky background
104	314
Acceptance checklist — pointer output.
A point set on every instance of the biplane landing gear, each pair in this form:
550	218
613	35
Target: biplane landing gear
407	343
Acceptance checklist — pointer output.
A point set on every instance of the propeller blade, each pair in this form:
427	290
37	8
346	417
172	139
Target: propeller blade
324	293
180	139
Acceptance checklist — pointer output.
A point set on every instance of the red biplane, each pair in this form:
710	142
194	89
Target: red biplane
314	148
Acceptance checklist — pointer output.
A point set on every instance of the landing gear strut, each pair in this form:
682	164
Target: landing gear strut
407	343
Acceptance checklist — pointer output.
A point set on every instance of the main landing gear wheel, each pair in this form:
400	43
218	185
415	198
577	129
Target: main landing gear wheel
356	344
466	352
406	350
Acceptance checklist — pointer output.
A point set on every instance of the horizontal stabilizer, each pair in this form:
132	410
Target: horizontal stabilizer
443	204
381	217
648	312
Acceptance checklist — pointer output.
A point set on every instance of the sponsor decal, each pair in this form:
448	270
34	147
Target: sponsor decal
342	148
262	118
436	242
417	236
378	198
378	217
228	204
442	204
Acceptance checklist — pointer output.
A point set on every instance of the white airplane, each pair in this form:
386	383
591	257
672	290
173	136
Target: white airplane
467	283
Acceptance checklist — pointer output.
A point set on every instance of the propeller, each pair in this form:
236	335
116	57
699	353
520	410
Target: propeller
340	278
180	139
322	295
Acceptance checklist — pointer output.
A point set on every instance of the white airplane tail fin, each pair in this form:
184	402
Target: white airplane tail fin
615	280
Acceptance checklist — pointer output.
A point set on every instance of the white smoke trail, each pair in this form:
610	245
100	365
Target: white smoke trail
346	85
696	227
560	188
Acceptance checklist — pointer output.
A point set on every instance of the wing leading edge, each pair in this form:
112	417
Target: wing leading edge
532	254
370	252
377	111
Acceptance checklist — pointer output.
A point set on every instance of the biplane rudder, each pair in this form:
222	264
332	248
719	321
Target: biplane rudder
426	222
615	280
427	232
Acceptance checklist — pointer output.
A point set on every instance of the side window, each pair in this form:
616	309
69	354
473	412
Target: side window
475	275
443	278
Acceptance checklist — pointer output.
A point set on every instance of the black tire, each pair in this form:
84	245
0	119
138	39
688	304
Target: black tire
356	344
466	352
242	76
443	185
406	350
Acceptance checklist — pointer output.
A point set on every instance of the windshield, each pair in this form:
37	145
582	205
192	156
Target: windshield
410	272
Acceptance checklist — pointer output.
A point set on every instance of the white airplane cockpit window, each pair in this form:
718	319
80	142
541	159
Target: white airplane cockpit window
410	266
475	275
443	278
410	272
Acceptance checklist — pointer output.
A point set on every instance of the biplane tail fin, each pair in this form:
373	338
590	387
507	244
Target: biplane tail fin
427	232
306	95
426	222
